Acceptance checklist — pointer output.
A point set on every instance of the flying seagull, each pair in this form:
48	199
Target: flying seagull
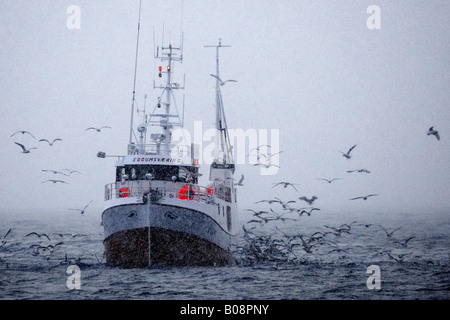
82	210
309	201
404	243
364	197
24	150
359	170
97	129
52	142
347	155
220	81
23	132
388	233
55	172
37	234
257	213
54	181
286	184
240	181
71	171
266	165
431	131
300	213
329	181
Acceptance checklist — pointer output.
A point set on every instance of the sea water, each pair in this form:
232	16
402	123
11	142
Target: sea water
362	264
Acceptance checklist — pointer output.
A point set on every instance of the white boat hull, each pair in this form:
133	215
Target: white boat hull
140	235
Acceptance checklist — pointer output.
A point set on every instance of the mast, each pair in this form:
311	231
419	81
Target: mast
223	149
169	54
135	73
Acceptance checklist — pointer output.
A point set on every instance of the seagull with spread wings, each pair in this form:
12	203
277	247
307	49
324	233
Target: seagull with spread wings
347	154
54	181
364	197
286	184
22	132
97	129
38	234
309	201
82	210
329	180
50	143
25	150
220	80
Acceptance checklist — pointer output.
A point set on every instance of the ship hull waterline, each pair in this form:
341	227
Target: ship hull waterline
139	236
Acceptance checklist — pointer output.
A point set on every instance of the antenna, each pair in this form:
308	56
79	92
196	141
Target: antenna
135	72
181	26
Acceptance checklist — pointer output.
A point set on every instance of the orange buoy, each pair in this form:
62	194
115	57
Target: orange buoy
124	192
210	190
186	192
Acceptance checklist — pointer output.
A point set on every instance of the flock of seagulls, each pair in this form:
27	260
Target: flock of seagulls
45	246
66	172
50	142
279	246
260	247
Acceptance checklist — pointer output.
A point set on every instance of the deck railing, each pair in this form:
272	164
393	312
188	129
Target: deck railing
181	191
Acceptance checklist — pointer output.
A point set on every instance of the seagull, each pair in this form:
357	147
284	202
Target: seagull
260	146
266	165
284	204
329	181
23	132
367	225
24	150
240	181
431	131
364	197
347	155
54	181
359	170
51	143
71	171
309	201
55	172
220	81
388	233
338	230
97	129
404	243
399	257
307	212
37	234
82	210
49	247
286	184
279	216
257	213
7	233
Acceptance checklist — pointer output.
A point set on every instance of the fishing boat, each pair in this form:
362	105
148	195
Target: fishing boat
155	212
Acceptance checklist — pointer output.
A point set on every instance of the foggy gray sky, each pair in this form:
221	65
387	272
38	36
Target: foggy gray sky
312	69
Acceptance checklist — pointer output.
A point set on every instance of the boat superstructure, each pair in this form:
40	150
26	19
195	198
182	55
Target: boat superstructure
155	210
